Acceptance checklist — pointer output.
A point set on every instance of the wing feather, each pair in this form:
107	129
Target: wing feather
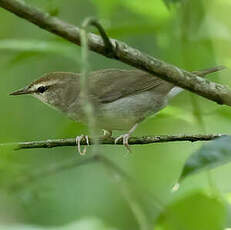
111	84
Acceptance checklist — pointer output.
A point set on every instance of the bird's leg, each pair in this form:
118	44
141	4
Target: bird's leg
126	136
78	143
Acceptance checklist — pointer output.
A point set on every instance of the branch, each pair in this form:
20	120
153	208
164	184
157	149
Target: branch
210	90
111	141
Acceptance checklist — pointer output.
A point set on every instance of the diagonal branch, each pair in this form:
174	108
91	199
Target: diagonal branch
122	52
110	141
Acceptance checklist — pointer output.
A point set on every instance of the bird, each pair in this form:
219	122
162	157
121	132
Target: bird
121	98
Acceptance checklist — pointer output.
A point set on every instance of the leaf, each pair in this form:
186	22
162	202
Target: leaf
39	46
210	155
197	211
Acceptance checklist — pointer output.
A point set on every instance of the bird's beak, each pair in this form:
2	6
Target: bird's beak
21	91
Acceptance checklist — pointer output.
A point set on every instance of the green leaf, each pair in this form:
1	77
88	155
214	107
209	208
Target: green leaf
210	155
197	211
38	46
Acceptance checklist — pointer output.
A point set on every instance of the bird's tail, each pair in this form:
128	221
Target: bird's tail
205	72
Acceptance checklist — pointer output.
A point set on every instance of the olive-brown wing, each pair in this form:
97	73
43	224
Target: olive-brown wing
111	84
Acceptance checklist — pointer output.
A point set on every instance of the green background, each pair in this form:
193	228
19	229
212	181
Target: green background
190	34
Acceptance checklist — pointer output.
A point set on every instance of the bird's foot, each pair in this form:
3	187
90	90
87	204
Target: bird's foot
78	143
125	138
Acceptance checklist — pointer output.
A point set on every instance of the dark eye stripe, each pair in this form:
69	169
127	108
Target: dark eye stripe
42	89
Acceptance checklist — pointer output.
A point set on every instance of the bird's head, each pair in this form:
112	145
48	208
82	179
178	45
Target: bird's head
56	89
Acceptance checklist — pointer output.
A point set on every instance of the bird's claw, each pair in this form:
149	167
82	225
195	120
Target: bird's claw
78	143
125	138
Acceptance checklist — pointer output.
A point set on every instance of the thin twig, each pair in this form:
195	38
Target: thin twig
111	140
210	90
107	43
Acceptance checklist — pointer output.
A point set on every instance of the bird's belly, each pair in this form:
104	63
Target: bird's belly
123	113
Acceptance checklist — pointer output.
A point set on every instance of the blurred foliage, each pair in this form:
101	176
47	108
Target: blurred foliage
190	34
39	46
206	213
85	224
210	155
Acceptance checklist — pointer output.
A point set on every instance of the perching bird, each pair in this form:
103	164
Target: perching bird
121	98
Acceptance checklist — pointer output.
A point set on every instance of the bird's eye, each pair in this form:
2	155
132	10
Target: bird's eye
42	89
